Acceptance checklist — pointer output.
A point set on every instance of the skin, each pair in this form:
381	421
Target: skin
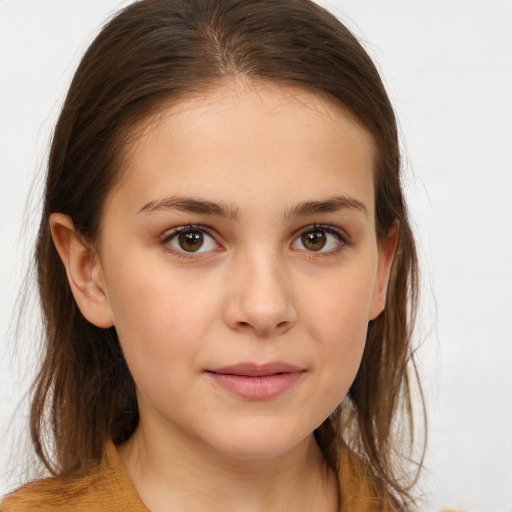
277	162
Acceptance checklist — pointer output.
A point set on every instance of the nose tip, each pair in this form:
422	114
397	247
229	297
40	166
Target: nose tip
261	301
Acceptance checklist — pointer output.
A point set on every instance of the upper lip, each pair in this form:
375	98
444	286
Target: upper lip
257	370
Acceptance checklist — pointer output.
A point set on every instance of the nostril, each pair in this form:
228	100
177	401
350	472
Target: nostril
248	325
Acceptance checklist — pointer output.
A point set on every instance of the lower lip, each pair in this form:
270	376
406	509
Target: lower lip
256	388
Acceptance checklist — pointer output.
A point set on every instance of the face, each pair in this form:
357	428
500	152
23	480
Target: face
240	266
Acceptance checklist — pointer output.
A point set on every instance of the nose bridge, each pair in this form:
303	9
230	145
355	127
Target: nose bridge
261	295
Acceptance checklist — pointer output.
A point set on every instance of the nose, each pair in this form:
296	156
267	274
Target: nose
260	297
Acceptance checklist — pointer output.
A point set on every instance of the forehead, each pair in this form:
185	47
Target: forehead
242	137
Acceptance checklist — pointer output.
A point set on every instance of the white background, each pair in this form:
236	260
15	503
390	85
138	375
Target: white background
448	69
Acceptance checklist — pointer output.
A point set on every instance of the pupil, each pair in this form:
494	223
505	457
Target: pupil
314	240
191	240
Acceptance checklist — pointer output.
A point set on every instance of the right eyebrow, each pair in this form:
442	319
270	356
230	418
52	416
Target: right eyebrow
190	205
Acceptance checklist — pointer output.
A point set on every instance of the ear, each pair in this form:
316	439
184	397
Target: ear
83	270
387	248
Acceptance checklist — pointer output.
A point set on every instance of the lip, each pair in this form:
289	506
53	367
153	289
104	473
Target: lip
256	382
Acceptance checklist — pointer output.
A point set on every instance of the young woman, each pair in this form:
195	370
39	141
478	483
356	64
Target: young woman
226	271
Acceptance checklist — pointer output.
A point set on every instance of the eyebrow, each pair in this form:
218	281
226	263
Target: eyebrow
331	204
202	206
190	205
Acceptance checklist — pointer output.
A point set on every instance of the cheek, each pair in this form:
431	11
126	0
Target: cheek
338	321
340	303
160	318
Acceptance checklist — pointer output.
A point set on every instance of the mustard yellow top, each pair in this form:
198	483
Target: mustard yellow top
107	489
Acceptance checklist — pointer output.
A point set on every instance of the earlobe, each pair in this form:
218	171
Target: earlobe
83	270
387	248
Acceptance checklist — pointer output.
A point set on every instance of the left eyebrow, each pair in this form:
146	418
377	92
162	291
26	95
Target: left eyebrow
190	205
331	204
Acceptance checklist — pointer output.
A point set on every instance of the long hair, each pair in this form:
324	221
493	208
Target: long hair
155	52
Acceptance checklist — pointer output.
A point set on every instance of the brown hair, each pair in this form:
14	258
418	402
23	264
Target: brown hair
156	51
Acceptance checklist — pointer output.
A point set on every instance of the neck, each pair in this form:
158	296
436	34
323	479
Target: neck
186	477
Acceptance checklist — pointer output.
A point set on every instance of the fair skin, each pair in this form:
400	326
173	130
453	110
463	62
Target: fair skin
240	239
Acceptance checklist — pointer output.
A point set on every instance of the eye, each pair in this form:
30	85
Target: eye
319	239
191	240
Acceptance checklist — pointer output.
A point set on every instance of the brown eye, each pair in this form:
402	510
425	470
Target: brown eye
319	239
314	240
191	241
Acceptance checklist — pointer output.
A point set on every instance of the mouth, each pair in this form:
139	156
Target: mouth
256	382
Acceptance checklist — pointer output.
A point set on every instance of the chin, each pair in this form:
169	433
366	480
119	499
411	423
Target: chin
259	442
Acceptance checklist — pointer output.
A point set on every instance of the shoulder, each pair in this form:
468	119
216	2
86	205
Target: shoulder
107	487
48	494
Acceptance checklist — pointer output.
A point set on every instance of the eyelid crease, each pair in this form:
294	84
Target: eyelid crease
171	233
343	238
166	238
341	233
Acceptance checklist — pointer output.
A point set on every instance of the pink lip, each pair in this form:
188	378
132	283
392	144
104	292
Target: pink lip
256	382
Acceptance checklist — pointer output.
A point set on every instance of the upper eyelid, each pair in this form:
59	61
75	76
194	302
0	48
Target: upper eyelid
343	240
166	238
326	227
170	233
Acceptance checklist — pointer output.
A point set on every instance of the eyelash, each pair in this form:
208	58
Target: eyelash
342	237
168	236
